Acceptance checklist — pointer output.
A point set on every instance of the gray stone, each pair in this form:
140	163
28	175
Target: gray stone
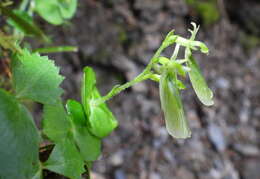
216	137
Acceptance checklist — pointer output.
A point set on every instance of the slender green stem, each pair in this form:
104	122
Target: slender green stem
175	52
119	88
146	74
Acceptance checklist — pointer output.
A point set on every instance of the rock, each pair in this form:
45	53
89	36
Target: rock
251	169
154	175
149	4
183	173
222	83
94	175
153	41
120	174
116	159
216	137
247	149
130	69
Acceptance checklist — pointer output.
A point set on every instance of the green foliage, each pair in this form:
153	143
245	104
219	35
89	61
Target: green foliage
89	145
36	77
19	140
21	21
56	124
76	132
65	160
208	10
56	11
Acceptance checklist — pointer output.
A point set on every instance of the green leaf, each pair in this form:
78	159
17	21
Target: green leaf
88	145
56	11
65	160
176	123
38	174
56	124
36	77
101	120
199	84
19	140
67	8
23	22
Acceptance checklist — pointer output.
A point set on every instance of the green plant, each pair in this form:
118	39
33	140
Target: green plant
74	133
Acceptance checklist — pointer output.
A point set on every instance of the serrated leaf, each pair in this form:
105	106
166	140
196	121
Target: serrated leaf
56	124
176	123
36	77
199	84
101	120
56	11
19	140
65	160
23	22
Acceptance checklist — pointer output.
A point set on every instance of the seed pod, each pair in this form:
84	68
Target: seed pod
176	123
199	84
100	119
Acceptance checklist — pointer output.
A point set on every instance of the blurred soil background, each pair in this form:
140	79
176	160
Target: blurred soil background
118	38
